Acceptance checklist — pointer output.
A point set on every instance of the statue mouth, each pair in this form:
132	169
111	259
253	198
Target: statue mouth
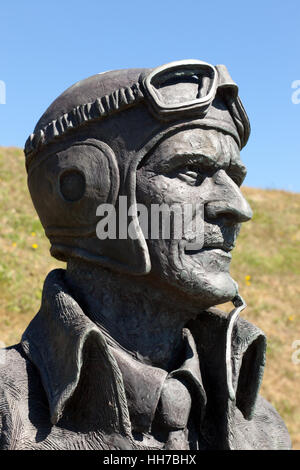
220	251
224	247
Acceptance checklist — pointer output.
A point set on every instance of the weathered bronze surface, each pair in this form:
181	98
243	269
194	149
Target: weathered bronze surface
128	350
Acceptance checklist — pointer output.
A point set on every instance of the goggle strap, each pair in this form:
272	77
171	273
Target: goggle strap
225	81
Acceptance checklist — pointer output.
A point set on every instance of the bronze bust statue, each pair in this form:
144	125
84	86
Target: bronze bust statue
128	350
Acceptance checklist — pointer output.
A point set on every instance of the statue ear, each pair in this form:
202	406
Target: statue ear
68	185
101	169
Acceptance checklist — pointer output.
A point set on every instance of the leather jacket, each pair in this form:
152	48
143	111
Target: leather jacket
65	387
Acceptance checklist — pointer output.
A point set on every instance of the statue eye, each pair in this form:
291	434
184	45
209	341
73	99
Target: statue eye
191	175
72	185
237	178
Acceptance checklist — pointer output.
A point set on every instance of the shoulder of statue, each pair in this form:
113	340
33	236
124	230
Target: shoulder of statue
265	431
14	374
15	368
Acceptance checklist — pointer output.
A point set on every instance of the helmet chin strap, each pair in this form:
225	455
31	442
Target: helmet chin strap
239	304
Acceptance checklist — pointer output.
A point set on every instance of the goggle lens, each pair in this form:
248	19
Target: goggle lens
181	85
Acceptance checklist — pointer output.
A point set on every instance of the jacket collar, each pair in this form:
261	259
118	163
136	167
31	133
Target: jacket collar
143	383
75	363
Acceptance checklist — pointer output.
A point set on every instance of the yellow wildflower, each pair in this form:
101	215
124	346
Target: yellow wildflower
34	246
33	234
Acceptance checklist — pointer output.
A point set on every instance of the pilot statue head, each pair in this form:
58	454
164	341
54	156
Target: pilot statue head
166	136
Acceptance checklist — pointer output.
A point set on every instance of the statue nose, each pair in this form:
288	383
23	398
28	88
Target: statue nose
228	201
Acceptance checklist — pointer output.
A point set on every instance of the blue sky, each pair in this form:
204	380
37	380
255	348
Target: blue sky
47	46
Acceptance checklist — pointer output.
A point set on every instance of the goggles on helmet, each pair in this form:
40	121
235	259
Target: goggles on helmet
196	82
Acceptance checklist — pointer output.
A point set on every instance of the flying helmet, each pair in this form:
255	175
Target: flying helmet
86	148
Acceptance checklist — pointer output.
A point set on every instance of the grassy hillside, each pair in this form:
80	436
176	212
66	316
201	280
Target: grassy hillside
266	264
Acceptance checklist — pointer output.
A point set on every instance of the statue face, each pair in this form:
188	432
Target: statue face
201	166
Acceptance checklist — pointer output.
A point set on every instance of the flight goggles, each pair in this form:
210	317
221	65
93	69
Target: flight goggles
197	83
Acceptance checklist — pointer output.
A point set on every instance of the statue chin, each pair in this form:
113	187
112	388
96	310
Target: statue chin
209	289
202	277
208	270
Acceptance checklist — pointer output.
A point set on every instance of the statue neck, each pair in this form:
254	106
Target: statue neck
137	314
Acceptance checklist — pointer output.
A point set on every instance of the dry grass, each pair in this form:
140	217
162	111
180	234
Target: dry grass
24	256
267	251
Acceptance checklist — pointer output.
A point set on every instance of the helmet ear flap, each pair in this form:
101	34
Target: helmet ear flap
137	250
77	180
128	255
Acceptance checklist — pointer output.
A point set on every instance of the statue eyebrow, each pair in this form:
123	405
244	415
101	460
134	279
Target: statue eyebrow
237	169
233	167
186	158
